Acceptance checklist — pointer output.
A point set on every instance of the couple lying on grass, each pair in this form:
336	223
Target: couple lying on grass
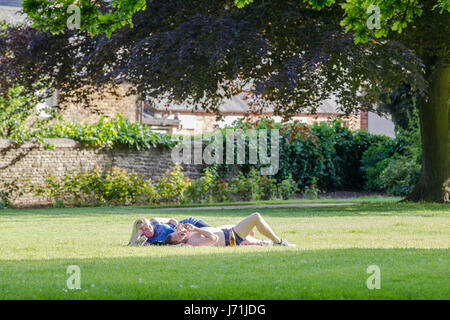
195	232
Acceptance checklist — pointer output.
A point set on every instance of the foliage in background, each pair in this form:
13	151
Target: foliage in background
400	176
94	16
171	186
8	193
393	166
109	186
270	44
376	158
98	186
329	156
311	192
201	190
287	188
117	131
328	152
211	188
20	121
400	104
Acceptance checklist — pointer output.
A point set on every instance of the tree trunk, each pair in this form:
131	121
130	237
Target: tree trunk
434	113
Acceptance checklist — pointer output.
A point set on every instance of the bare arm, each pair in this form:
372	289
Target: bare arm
199	240
203	237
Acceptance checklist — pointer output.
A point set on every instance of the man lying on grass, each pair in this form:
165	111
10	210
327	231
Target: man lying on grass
221	237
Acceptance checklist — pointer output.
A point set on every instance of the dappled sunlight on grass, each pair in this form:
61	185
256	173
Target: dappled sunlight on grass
335	245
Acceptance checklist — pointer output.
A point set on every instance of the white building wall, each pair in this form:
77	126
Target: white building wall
380	125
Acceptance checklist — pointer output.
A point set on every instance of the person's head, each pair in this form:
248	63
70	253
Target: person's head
141	226
176	237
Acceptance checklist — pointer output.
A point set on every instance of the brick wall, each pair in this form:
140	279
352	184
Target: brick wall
364	120
34	161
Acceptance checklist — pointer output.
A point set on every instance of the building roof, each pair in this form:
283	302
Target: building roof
11	3
238	105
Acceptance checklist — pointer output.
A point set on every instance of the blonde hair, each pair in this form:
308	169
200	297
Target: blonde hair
136	234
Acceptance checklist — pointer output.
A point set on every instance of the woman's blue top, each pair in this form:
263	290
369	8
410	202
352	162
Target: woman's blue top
162	230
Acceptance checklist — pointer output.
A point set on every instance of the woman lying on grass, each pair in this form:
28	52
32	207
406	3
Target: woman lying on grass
156	230
221	237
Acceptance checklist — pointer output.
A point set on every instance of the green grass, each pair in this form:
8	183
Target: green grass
362	199
335	245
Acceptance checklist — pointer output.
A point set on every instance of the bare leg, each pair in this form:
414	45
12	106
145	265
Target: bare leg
250	241
244	227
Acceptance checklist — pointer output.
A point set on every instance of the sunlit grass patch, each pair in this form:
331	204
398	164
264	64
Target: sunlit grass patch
335	245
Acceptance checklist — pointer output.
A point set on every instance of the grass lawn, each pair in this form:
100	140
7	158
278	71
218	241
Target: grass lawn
335	245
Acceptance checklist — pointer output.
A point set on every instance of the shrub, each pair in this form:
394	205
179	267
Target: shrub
118	131
400	176
267	188
20	120
52	188
221	191
393	166
375	159
200	190
113	186
311	192
10	191
242	188
327	151
4	200
287	188
116	187
209	188
350	147
171	186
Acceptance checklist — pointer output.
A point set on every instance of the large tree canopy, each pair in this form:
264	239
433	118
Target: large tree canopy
282	52
285	53
94	16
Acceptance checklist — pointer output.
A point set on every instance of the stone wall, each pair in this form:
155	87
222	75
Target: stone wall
33	161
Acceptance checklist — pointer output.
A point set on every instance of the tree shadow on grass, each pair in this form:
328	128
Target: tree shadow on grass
235	273
361	209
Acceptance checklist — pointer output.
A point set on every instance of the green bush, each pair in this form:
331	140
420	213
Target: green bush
117	187
249	187
171	186
287	188
200	190
20	121
113	186
311	192
4	200
327	151
210	188
118	131
9	192
393	165
243	188
268	188
329	156
400	176
350	147
221	191
375	159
